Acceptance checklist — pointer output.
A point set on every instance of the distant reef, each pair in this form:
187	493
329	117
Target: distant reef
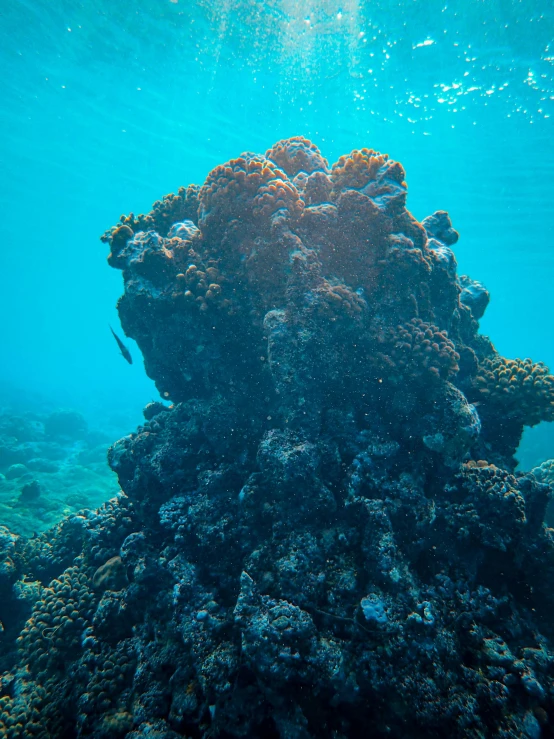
324	536
51	465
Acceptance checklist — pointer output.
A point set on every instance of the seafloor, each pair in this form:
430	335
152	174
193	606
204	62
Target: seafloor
52	464
324	535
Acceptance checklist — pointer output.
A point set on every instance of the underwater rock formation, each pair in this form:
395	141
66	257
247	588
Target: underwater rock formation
323	535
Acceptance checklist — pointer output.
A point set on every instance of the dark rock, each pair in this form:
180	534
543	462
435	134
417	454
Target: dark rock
30	492
38	464
65	424
110	576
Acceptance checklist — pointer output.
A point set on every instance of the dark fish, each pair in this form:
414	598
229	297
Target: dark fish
123	349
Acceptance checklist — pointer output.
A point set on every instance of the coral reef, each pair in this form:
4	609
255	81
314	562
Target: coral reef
324	534
520	389
512	393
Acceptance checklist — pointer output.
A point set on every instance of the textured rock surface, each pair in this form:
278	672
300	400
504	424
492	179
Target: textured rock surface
322	536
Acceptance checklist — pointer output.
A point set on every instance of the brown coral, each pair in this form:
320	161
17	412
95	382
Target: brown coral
49	640
250	186
203	286
314	188
486	493
113	671
118	241
416	350
171	209
335	301
478	464
57	621
357	169
297	154
517	389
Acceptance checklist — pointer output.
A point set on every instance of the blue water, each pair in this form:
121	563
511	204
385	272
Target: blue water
108	105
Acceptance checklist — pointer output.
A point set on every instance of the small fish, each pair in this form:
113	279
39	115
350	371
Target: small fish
124	351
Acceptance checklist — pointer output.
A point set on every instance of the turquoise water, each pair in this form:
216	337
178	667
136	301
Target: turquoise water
108	105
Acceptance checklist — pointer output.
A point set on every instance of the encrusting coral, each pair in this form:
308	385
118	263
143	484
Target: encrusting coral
516	388
248	187
324	535
296	155
416	351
